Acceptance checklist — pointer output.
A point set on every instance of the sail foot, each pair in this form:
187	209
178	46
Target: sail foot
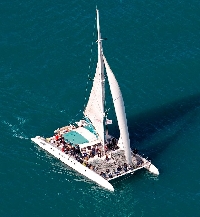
126	147
128	156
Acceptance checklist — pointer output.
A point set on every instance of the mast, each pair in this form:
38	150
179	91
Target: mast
94	109
100	65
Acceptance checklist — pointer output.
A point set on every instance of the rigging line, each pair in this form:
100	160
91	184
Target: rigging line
108	101
74	119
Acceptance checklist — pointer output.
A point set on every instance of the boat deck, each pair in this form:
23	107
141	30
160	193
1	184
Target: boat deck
109	165
115	165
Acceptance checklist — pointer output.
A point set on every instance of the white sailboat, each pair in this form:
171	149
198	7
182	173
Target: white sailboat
86	146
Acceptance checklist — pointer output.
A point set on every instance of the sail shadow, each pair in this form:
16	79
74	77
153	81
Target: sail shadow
159	147
143	126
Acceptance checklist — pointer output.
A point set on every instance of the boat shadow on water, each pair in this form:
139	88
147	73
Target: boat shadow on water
147	124
124	181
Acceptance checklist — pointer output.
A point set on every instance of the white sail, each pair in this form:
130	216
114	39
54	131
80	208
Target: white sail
120	111
95	106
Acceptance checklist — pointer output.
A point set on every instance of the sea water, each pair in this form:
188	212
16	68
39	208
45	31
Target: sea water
47	52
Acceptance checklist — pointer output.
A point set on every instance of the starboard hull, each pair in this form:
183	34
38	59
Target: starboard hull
68	160
85	171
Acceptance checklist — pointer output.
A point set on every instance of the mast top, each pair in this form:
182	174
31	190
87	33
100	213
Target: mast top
98	27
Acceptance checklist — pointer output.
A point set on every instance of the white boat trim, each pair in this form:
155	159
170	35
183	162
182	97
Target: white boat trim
74	164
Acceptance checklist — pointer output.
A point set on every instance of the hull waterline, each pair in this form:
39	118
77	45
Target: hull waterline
71	162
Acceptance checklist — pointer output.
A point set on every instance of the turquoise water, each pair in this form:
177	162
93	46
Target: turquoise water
153	48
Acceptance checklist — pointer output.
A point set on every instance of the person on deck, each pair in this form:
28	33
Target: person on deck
56	137
93	151
99	153
105	148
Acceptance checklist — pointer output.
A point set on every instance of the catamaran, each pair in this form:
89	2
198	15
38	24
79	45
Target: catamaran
86	146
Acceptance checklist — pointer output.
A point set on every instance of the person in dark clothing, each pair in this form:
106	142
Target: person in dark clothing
135	151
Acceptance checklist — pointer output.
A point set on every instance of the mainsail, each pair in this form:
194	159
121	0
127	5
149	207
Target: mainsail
119	110
95	106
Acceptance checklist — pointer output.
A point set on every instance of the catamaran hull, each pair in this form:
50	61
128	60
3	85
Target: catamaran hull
65	158
152	169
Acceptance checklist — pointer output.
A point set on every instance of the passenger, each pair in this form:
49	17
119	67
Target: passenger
80	160
84	154
130	167
93	151
80	155
76	157
119	168
56	137
135	151
110	175
103	174
69	146
116	147
106	148
63	141
107	170
115	172
99	153
114	144
125	167
90	154
72	152
77	149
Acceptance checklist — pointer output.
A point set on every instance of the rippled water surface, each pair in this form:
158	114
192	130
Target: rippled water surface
153	48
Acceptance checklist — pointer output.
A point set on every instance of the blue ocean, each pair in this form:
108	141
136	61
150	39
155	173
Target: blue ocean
47	51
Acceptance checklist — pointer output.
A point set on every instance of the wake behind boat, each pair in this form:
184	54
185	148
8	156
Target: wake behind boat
86	145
